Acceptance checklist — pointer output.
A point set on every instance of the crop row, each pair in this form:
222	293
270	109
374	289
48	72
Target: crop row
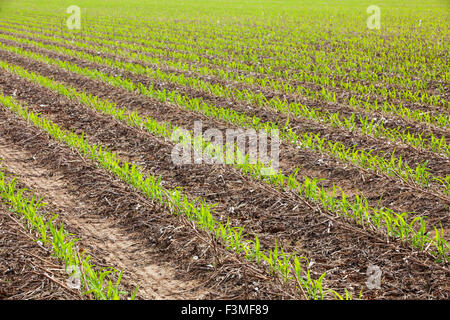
302	55
366	125
364	101
321	80
392	166
287	265
395	225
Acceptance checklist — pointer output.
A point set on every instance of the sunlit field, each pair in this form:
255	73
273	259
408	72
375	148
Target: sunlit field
224	150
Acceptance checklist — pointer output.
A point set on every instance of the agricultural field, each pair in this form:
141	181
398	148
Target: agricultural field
270	150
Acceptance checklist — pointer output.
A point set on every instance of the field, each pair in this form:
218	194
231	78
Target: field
118	179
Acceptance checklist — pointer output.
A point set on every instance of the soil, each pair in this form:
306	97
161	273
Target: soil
27	270
165	255
262	210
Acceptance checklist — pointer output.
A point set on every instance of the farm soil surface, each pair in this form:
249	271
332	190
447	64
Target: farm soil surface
333	245
438	164
27	269
351	179
160	252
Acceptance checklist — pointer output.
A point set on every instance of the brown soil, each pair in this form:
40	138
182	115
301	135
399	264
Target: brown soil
165	255
438	164
122	229
262	210
28	270
393	194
